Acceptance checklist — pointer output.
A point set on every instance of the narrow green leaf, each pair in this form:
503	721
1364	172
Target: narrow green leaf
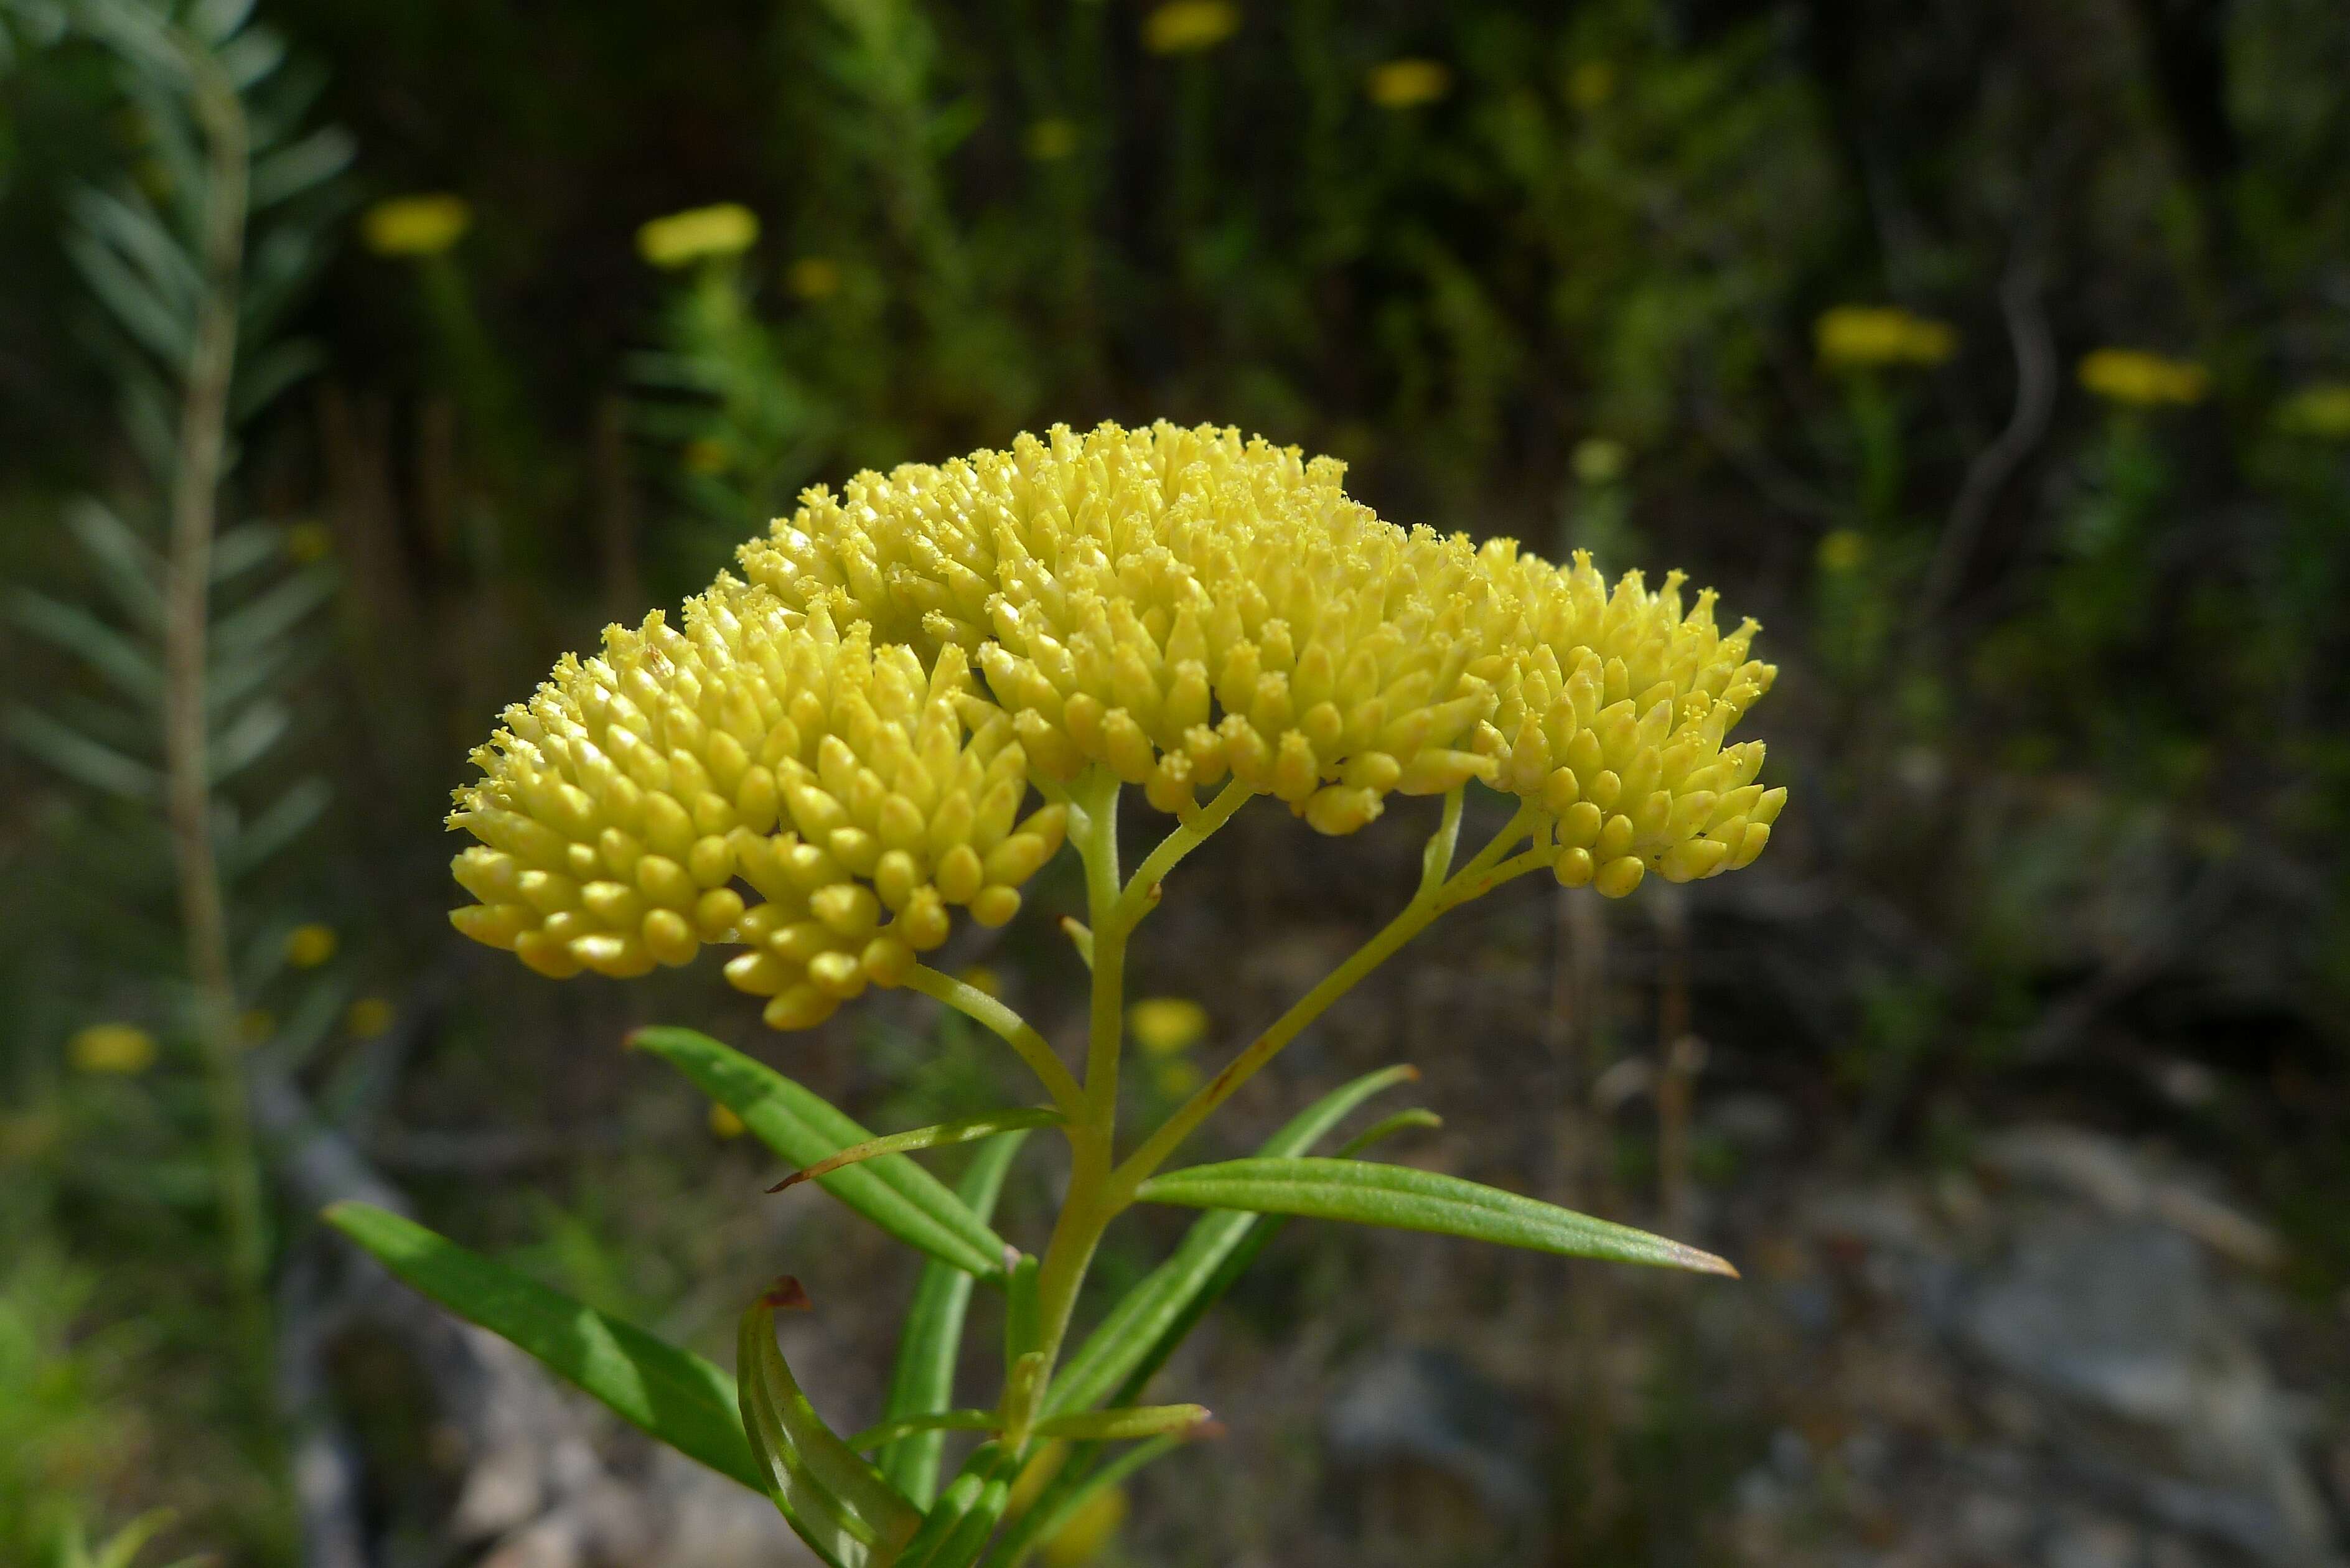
889	1431
1387	1127
841	1506
79	758
132	227
283	820
1024	1327
1070	1491
1118	1425
963	1129
892	1191
260	379
1168	1299
247	738
671	1394
1408	1200
270	615
959	1526
131	299
131	572
130	668
292	169
923	1379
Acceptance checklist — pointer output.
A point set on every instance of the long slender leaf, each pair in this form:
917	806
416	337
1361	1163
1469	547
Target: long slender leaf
132	228
673	1394
1071	1490
892	1191
79	758
130	667
123	559
132	300
939	1421
292	169
841	1506
270	615
246	739
1136	1327
923	1379
963	1129
1406	1199
1387	1127
962	1520
282	822
1118	1424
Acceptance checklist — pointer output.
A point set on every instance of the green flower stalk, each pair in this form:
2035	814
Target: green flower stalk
822	764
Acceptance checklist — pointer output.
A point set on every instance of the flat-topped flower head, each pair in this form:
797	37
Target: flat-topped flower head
856	793
1617	710
1181	606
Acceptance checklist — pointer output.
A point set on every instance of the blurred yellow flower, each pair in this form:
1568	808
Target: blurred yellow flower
1843	550
307	947
368	1017
983	980
1050	141
1089	1529
123	1050
1856	336
1176	1078
724	1123
308	542
705	454
2141	379
1598	460
1163	1025
698	235
1186	26
813	278
255	1025
415	225
2321	409
1591	84
1407	84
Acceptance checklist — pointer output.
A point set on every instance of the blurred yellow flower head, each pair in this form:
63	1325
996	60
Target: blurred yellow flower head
308	946
1050	141
1590	85
1598	460
699	234
308	542
1186	26
724	1123
705	454
123	1050
2321	409
1843	550
2138	379
1408	84
415	225
1089	1529
368	1017
1863	337
1163	1025
813	278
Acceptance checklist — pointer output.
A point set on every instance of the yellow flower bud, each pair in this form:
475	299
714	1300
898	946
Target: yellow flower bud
123	1050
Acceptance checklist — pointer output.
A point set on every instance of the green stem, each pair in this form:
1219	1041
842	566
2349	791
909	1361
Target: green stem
1016	1031
1141	892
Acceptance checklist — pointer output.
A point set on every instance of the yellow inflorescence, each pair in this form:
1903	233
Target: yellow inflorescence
837	780
699	234
1617	709
2136	379
1862	336
1178	605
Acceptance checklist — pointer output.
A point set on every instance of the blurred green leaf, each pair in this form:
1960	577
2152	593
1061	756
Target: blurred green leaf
130	667
79	758
961	1522
290	170
963	1129
845	1511
1120	1424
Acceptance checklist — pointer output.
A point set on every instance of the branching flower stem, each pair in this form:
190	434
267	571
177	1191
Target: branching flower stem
1099	1189
975	1005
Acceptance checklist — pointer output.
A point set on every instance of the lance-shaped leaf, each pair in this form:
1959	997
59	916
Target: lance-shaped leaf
842	1507
897	1426
1121	1425
961	1521
1405	1198
892	1191
1169	1298
1070	1491
673	1394
932	1343
963	1129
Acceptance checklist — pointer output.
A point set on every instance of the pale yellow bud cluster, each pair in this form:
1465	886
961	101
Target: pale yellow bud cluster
838	782
1617	710
1181	605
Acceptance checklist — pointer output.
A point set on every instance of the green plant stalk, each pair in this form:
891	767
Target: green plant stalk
195	483
1098	1191
975	1005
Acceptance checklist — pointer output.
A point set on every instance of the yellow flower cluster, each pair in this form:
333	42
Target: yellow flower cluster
699	233
1408	84
1186	26
1860	336
1617	710
415	225
2139	379
838	781
1121	588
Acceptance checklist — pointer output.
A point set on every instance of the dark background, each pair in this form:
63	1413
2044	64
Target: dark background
2014	1076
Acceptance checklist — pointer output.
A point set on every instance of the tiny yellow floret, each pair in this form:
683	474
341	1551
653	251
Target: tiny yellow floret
1163	1025
2136	378
1186	26
1408	84
699	234
1864	336
415	225
116	1050
308	946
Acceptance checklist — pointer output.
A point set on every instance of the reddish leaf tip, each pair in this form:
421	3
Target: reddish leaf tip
786	1294
1410	1074
794	1179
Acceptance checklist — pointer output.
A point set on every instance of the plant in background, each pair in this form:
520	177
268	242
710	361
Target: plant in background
824	767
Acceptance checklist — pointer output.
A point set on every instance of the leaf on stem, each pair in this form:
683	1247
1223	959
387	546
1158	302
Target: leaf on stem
842	1507
889	1431
1118	1424
963	1129
959	1524
669	1392
1387	1127
892	1191
1405	1198
1070	1491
